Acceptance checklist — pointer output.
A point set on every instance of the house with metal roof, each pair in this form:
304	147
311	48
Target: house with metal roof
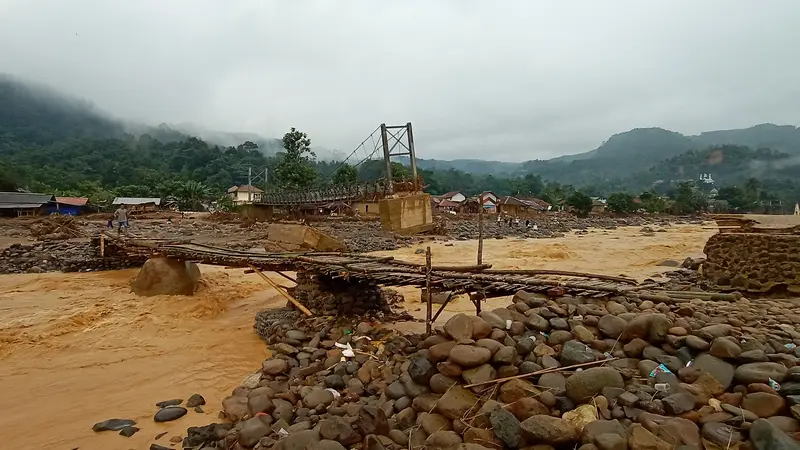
522	207
17	204
70	206
141	203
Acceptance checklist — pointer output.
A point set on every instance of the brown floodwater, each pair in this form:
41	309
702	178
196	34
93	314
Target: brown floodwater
76	349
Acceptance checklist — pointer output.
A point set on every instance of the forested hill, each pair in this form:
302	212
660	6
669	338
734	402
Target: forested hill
51	143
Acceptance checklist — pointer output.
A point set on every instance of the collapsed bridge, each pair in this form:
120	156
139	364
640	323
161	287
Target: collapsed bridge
356	278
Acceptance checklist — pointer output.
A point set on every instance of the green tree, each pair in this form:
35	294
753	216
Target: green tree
621	203
687	199
191	195
735	197
581	202
346	174
295	169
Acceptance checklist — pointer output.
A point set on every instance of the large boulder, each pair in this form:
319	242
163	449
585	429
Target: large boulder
166	276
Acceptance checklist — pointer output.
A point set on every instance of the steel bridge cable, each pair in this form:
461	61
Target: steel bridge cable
353	152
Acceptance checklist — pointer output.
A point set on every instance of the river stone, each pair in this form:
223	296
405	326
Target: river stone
318	397
493	319
576	352
372	420
678	403
275	366
468	356
299	440
170	413
443	440
611	326
480	329
456	402
252	430
721	434
553	380
598	427
395	390
113	425
763	404
641	439
611	441
195	400
432	423
548	430
506	355
440	352
479	374
420	369
697	343
719	369
581	416
459	327
760	372
441	383
724	347
333	445
587	383
506	427
764	435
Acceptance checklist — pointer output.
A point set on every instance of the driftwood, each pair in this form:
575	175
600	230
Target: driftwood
539	372
558	272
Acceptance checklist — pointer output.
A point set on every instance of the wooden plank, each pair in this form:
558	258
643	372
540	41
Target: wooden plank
285	294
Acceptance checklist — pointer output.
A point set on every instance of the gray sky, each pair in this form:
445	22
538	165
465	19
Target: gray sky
510	80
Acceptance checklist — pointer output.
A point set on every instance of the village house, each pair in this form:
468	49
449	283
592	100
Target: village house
138	203
244	194
522	207
17	204
489	202
599	205
69	206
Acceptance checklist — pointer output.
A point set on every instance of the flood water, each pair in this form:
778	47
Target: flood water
76	349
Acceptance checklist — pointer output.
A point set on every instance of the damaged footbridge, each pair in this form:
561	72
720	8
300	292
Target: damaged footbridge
354	278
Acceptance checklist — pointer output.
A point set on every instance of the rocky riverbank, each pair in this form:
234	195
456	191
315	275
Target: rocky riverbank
542	373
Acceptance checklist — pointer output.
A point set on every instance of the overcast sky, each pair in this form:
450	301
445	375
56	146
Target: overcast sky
507	80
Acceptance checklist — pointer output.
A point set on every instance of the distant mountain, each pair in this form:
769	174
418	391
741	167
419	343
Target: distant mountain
623	155
39	115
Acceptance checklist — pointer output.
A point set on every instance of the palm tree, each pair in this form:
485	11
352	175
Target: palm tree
192	193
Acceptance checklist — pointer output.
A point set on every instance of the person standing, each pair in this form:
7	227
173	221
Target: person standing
121	216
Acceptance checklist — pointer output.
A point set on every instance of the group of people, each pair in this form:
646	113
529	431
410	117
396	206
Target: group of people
515	222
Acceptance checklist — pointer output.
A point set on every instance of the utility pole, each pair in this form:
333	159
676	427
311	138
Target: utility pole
249	184
480	229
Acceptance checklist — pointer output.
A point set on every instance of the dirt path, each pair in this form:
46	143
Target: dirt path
79	348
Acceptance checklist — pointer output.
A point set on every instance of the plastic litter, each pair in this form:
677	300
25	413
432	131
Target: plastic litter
790	346
774	385
544	334
282	433
508	324
662	387
347	350
335	393
689	364
661	368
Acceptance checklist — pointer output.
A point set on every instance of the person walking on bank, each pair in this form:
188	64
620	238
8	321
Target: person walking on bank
121	216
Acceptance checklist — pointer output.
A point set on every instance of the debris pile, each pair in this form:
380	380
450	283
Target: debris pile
543	373
328	296
56	227
555	225
61	256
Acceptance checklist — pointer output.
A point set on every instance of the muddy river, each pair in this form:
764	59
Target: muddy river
76	349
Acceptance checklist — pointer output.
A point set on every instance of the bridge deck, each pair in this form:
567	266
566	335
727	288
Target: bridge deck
387	271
